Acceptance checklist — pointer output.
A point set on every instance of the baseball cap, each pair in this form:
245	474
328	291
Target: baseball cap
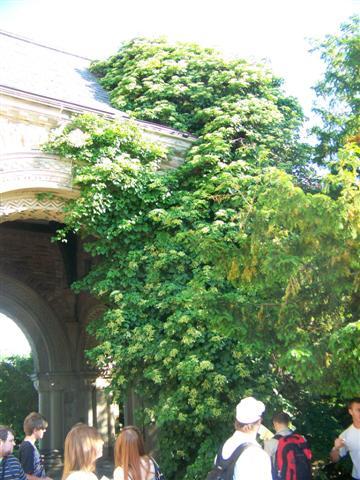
249	410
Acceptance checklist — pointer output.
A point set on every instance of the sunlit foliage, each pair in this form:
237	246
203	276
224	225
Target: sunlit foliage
227	276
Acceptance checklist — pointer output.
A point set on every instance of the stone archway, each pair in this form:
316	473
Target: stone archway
35	291
36	274
36	320
54	377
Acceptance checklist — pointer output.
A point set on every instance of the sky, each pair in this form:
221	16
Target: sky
276	30
12	339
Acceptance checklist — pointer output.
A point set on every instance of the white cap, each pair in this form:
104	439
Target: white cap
249	410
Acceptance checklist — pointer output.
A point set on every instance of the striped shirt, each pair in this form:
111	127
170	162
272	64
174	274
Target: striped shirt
10	469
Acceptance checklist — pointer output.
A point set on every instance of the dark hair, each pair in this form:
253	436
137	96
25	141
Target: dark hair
353	400
281	417
4	432
34	421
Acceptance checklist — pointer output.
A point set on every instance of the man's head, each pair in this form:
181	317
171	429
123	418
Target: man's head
248	415
7	441
35	424
354	410
280	421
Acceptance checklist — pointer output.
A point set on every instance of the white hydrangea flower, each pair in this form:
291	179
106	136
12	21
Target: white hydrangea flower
104	162
77	138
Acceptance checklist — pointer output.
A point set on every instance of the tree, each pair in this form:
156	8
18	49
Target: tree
222	278
338	104
18	396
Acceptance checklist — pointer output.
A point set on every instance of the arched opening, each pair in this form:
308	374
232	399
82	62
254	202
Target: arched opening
35	292
13	341
49	349
18	395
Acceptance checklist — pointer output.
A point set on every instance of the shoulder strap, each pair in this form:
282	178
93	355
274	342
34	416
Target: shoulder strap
158	474
221	462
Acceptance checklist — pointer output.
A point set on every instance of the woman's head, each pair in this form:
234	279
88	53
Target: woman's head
83	445
129	448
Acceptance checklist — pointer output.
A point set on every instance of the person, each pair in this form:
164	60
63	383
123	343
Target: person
253	463
281	422
290	453
349	439
35	427
131	461
10	467
83	446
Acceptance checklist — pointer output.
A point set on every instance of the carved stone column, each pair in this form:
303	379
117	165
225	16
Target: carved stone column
68	398
106	414
51	406
56	419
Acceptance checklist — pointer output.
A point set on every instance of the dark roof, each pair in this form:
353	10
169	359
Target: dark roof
35	69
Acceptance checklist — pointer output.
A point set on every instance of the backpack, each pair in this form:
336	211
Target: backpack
224	469
292	458
158	474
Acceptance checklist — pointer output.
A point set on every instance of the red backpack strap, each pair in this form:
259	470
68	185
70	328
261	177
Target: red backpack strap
279	461
303	444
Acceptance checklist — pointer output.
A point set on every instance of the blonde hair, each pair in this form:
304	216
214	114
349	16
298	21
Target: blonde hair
128	452
81	449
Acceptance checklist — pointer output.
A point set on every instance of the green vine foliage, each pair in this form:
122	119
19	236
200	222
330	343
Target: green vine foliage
236	108
224	277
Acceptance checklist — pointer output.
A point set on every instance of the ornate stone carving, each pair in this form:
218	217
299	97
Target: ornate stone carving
34	185
27	205
35	170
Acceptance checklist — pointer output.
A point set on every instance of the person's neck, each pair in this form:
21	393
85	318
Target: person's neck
356	424
251	434
30	438
281	427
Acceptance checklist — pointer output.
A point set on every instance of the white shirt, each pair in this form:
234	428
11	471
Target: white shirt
81	475
253	463
145	475
352	445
